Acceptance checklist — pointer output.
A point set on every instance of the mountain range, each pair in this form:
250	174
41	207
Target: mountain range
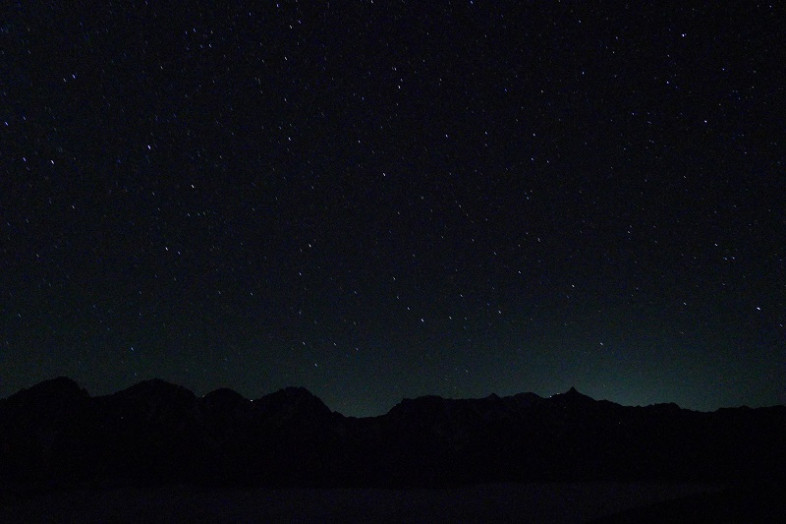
55	434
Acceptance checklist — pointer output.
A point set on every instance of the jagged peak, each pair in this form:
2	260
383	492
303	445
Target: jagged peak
574	392
572	395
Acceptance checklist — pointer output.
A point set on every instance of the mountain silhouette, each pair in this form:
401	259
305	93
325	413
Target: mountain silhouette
55	434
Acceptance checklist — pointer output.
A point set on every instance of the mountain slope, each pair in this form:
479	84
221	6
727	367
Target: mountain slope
156	432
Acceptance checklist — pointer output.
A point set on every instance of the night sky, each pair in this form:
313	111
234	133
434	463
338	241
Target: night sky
385	199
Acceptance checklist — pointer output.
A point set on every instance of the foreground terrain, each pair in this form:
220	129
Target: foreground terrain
155	451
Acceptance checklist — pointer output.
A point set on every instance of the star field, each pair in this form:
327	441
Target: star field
378	200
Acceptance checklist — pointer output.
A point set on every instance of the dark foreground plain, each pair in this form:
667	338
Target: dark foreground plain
532	502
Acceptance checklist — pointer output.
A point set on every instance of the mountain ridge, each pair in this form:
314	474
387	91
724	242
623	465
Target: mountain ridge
155	432
70	386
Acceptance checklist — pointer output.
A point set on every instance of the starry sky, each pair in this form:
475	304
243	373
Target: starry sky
385	199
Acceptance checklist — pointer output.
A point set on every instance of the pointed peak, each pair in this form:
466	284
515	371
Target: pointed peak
572	395
575	393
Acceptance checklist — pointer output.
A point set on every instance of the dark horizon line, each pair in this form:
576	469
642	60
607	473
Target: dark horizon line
572	392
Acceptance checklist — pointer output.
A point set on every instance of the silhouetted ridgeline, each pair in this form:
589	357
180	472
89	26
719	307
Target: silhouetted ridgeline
55	434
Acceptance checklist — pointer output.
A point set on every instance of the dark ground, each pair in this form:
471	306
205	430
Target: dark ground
539	502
